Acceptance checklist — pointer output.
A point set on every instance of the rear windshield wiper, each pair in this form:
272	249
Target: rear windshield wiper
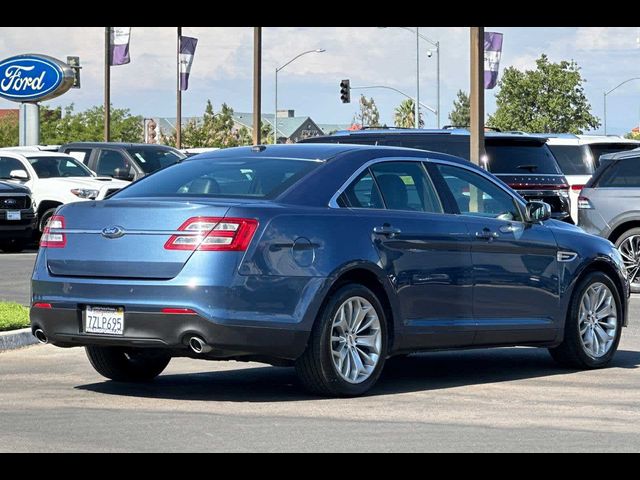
531	168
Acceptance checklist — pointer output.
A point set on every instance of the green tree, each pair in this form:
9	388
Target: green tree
216	130
548	99
87	126
9	131
368	116
460	116
405	115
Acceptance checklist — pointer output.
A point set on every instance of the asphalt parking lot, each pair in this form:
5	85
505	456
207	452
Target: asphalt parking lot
512	399
15	276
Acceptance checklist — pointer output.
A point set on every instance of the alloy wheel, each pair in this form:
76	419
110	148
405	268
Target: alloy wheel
356	340
598	320
630	251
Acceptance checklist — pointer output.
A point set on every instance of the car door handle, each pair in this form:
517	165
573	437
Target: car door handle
487	235
387	231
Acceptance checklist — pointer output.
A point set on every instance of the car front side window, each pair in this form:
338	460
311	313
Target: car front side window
476	195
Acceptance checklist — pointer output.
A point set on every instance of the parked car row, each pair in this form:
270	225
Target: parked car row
47	179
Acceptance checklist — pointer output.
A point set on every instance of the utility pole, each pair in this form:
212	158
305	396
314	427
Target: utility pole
107	84
179	96
477	95
417	105
257	85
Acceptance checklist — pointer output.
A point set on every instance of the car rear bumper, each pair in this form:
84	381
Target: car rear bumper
64	327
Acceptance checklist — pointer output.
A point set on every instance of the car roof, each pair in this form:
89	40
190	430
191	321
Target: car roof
321	151
609	157
452	132
114	144
34	153
571	139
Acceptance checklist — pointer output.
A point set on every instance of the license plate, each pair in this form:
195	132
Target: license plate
11	215
104	320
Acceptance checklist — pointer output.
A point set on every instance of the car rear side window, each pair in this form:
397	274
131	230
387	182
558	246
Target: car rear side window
599	149
405	186
477	196
363	193
622	174
228	177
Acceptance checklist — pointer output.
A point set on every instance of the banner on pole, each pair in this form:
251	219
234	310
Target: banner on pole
187	52
120	37
492	54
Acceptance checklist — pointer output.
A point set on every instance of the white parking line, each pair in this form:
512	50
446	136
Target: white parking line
17	254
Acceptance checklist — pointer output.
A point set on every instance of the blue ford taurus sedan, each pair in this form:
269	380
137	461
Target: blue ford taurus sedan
329	258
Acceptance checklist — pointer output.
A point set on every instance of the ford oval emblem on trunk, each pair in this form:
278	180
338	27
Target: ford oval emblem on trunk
113	232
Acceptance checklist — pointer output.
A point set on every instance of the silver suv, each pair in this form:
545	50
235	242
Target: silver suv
609	206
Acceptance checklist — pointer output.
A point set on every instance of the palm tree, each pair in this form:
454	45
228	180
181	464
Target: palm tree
405	115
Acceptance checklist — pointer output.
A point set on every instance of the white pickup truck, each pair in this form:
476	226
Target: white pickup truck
54	179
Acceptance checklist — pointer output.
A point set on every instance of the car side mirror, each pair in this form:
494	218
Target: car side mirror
538	211
123	174
19	175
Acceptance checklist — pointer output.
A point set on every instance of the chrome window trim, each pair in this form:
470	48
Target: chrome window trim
333	202
19	194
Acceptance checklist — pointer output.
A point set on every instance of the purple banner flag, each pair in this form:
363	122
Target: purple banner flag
492	54
187	52
119	44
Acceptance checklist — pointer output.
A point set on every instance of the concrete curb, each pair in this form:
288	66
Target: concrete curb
16	339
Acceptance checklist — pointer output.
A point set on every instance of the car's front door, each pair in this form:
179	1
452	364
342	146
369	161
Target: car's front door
425	253
515	267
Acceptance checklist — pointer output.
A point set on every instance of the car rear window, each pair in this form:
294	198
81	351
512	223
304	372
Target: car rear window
239	178
621	174
151	159
573	159
521	158
598	149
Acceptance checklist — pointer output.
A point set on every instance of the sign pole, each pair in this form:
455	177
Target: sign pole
257	84
107	84
477	95
179	96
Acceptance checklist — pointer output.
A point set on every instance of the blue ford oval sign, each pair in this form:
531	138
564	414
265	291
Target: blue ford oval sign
33	78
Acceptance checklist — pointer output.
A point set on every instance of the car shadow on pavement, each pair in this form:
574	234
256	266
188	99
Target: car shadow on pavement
419	372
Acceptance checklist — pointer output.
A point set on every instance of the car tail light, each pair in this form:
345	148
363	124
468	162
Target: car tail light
45	306
214	234
577	188
50	239
584	203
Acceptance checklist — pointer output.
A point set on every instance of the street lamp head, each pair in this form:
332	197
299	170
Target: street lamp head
320	50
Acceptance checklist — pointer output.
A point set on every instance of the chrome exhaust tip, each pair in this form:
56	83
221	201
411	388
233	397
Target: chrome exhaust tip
40	335
199	346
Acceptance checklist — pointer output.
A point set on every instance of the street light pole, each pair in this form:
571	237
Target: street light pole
605	99
275	118
437	47
431	109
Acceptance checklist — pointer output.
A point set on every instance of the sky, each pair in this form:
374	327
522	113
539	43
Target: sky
223	67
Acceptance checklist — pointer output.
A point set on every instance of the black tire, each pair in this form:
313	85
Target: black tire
571	352
13	246
128	364
315	367
44	218
635	286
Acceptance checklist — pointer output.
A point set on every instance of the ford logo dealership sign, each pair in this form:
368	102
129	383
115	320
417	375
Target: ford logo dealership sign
33	78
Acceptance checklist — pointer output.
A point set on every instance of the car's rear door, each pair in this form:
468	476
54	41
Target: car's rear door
515	267
425	253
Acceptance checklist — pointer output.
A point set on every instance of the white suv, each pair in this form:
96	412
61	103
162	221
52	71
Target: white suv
54	179
578	157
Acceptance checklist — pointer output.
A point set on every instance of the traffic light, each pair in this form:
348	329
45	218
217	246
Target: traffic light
151	131
74	63
345	91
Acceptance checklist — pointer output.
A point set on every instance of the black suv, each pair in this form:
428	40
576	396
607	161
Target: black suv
523	162
124	161
17	217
